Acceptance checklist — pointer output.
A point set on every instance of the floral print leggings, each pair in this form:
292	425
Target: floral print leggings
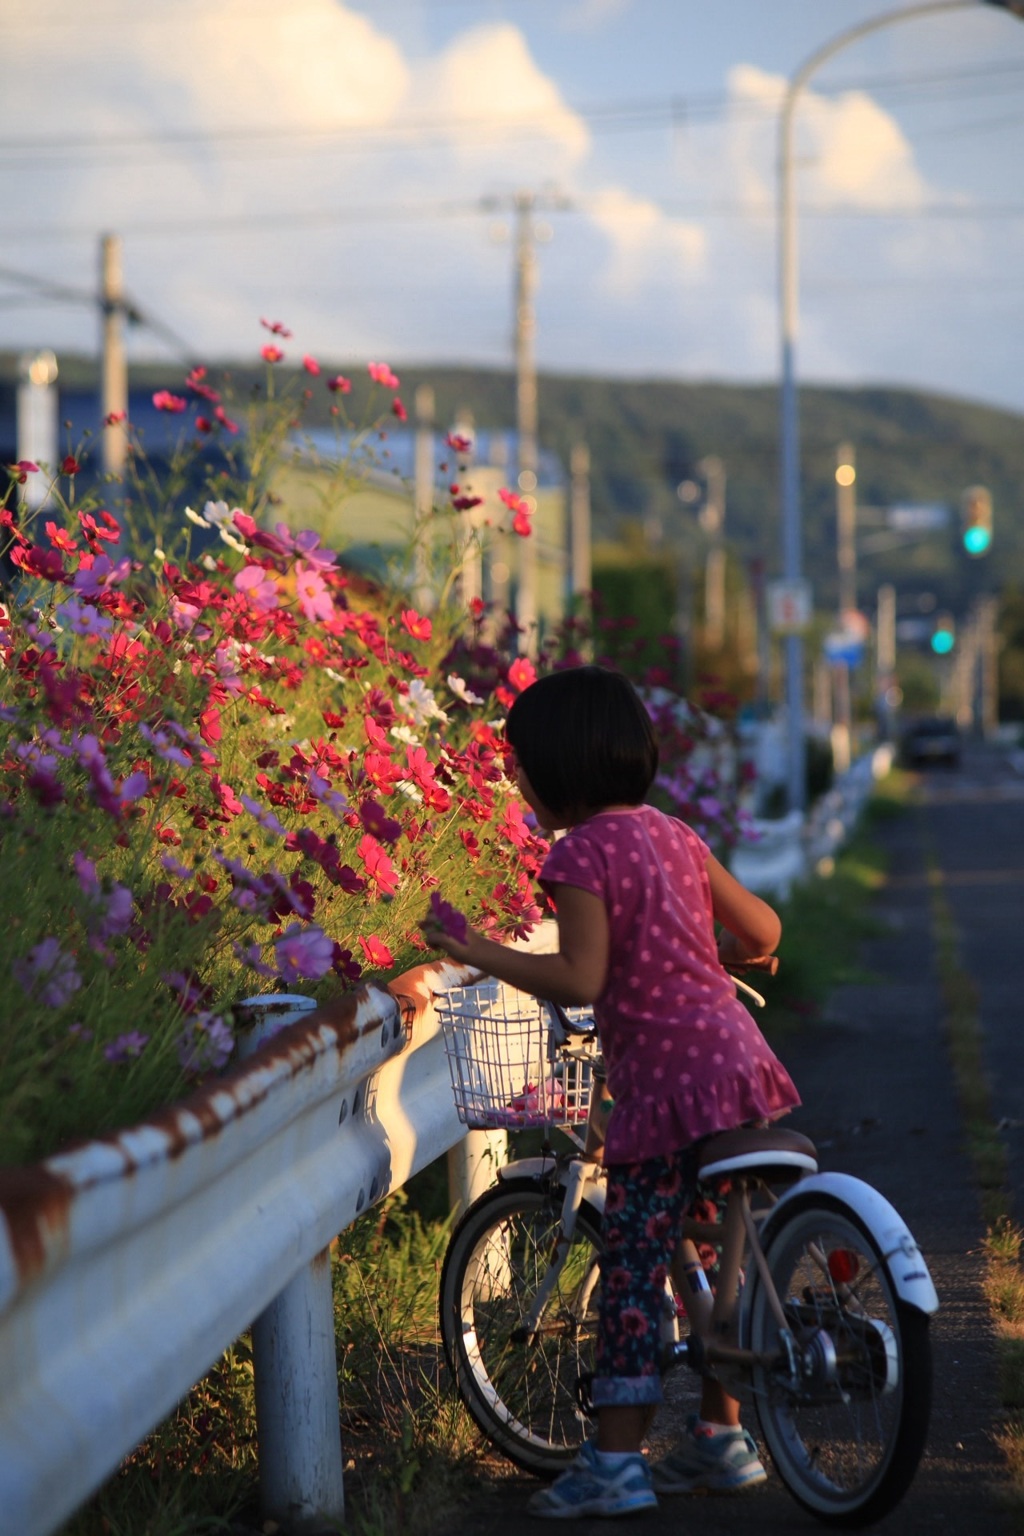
643	1213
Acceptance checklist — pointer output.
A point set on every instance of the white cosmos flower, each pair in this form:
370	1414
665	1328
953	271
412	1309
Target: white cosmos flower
461	689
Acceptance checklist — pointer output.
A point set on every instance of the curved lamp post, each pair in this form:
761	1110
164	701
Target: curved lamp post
792	538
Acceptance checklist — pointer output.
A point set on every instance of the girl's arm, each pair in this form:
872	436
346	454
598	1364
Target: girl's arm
752	927
573	976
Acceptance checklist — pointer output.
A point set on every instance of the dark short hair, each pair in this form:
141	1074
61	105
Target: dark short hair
584	740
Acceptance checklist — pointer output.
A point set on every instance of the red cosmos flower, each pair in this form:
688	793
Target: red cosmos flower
195	381
380	373
209	725
399	410
44	563
512	825
466	503
339	385
416	625
165	401
471	843
522	673
379	868
271	354
59	539
458	443
69	465
376	951
275	328
225	420
114	418
204	424
521	509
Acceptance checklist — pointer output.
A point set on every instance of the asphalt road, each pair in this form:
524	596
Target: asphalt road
880	1102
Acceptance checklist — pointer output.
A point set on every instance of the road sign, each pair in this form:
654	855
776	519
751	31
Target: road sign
789	606
843	648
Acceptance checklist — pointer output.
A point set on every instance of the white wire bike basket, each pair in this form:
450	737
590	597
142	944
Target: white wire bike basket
507	1069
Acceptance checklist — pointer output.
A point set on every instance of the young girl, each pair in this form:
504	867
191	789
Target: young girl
637	895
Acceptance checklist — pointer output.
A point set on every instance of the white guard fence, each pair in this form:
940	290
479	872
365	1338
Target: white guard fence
129	1265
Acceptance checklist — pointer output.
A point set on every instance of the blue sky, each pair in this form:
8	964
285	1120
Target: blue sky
348	169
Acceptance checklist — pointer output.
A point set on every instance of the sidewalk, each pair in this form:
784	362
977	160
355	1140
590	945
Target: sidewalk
879	1102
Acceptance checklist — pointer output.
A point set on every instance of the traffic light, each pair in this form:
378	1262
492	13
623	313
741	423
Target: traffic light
976	510
943	635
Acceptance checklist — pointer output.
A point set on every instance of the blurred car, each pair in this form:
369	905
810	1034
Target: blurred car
934	739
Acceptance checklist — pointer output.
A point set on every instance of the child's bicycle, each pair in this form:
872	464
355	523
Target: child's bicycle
820	1311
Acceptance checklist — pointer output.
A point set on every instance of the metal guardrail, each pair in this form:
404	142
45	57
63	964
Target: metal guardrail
784	852
129	1265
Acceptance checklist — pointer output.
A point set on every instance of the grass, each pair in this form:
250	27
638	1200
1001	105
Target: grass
412	1457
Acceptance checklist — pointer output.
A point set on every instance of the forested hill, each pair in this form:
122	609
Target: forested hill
645	438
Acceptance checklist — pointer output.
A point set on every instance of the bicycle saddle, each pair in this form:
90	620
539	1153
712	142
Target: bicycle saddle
774	1152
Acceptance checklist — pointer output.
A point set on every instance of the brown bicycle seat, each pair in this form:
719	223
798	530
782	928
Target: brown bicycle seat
772	1151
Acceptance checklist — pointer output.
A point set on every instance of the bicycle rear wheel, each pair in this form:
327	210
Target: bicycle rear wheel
844	1408
521	1390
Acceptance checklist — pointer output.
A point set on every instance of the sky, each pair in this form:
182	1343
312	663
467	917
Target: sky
351	168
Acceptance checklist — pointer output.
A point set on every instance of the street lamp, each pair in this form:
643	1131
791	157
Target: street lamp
792	538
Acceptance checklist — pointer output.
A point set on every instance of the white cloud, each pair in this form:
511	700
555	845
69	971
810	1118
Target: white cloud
646	244
846	148
487	86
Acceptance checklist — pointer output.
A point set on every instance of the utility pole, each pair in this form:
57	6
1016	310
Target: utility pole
846	546
581	577
113	363
526	409
712	520
525	206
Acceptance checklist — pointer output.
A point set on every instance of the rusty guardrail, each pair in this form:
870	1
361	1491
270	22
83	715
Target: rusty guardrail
129	1264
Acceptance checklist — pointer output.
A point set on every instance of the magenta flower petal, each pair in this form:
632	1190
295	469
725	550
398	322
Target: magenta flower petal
452	922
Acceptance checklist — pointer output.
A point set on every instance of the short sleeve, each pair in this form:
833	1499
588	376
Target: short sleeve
574	860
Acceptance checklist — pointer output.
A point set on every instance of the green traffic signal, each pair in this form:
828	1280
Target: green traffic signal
976	511
944	635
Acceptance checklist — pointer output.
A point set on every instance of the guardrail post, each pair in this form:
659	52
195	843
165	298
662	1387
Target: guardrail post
295	1368
297	1411
473	1165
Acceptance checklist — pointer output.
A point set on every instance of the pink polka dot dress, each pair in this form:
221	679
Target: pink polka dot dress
684	1057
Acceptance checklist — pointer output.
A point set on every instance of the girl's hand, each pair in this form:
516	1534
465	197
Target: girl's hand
444	927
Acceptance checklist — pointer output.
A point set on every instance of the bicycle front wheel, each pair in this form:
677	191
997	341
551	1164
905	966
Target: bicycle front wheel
518	1374
844	1391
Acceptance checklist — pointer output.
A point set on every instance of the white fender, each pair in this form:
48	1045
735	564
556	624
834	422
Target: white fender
906	1262
542	1167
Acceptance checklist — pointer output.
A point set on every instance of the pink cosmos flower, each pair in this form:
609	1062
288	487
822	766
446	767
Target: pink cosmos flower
398	409
416	625
275	328
380	373
522	673
260	588
314	599
48	974
85	620
339	385
99	575
304	953
376	951
165	401
206	1043
126	1046
448	918
311	366
378	823
271	354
